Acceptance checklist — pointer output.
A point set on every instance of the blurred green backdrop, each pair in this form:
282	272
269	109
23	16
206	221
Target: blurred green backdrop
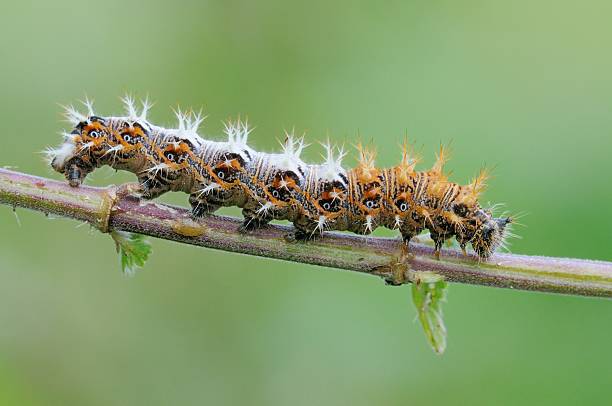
522	85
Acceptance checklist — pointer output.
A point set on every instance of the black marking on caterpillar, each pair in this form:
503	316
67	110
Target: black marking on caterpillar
314	197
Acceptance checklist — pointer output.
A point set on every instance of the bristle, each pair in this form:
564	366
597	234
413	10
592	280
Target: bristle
409	162
409	157
367	156
130	106
181	118
208	189
237	135
366	168
59	156
320	225
293	146
196	120
479	183
146	106
331	169
68	137
441	159
88	103
265	208
289	159
73	116
188	124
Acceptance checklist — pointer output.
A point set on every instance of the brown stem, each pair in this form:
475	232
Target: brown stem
113	208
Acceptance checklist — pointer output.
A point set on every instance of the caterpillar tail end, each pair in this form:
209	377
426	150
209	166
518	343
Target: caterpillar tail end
491	236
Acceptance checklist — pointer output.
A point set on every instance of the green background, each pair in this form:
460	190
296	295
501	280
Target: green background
524	86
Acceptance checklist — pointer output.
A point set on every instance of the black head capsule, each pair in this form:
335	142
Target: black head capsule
75	171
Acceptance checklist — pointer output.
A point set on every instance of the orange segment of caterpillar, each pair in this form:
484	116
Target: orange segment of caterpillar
268	186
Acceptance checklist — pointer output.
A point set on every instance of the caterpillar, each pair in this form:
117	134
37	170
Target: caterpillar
269	186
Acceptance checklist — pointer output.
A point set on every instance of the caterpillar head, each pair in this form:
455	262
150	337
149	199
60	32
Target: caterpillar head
490	235
82	149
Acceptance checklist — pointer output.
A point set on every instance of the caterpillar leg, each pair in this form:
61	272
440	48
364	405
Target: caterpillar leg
253	220
406	240
130	188
437	248
438	240
407	236
152	187
252	223
202	206
306	235
306	229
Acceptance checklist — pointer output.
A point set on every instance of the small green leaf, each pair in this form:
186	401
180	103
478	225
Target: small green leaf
133	248
428	293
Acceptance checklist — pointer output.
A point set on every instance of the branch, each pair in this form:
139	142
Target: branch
113	208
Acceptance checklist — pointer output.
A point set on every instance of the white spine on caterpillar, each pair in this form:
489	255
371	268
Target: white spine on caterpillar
320	227
89	104
368	224
331	169
208	189
132	113
188	124
265	208
237	137
146	106
130	107
154	170
73	116
58	156
289	158
114	151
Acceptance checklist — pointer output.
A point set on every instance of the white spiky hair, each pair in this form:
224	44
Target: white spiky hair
188	124
289	159
88	103
73	116
132	112
331	169
237	135
58	156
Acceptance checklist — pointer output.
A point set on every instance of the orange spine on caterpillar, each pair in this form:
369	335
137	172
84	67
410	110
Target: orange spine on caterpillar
269	186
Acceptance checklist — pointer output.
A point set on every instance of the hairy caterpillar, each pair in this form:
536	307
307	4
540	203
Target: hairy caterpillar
314	197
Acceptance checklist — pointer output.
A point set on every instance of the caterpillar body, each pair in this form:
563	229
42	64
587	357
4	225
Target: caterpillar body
314	197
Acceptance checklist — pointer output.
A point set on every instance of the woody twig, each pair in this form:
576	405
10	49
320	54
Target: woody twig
114	208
